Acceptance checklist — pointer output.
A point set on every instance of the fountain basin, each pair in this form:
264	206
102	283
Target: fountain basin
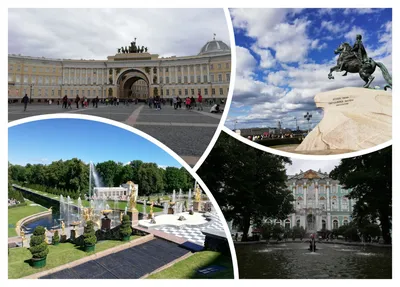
197	219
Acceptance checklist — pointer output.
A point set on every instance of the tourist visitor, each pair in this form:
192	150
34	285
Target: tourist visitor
77	99
25	100
216	109
97	101
150	103
199	102
192	103
64	102
178	102
70	104
187	102
175	102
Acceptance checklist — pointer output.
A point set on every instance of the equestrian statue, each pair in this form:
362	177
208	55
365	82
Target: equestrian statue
355	60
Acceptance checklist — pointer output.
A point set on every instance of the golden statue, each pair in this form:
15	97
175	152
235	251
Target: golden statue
120	216
132	196
151	210
46	239
197	194
22	233
62	227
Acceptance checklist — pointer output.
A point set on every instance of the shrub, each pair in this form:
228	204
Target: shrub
56	237
125	229
38	247
89	234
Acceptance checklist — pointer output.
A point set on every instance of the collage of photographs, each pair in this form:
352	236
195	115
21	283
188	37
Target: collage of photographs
200	143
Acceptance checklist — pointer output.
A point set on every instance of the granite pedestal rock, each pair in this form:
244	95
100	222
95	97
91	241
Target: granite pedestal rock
196	206
135	217
354	119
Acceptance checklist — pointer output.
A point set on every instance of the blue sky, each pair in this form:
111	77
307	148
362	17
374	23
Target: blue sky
284	56
45	141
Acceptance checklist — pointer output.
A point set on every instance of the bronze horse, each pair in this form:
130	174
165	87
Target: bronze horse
349	63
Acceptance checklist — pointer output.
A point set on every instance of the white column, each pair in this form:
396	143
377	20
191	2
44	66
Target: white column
113	74
293	220
201	73
97	76
151	75
86	81
208	73
176	74
182	77
158	75
316	195
163	75
188	73
328	224
328	208
305	195
69	76
195	74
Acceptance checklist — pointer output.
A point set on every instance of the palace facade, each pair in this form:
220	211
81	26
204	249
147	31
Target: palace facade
320	202
128	75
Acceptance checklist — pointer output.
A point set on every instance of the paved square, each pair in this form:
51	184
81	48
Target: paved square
194	234
186	132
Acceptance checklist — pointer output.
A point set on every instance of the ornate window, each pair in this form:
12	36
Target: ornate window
228	77
205	79
221	91
335	224
298	223
323	224
220	78
287	224
206	92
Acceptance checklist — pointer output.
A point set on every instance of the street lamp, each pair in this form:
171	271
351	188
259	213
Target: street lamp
308	117
30	93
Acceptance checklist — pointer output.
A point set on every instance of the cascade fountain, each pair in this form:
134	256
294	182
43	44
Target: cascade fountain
144	208
165	210
189	202
180	194
174	200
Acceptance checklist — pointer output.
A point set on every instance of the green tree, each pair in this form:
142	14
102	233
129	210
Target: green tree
38	246
108	172
248	184
370	179
266	231
150	179
174	179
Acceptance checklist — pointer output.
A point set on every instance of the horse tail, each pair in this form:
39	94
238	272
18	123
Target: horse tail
386	75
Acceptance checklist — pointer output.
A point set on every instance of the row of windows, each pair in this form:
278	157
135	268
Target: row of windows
192	92
322	189
191	68
36	80
34	69
335	223
198	79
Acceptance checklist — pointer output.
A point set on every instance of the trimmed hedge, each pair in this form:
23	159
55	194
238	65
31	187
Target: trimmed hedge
125	229
56	237
89	234
38	246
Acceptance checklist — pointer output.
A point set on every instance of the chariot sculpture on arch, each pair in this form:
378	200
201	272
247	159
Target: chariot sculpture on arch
132	195
355	60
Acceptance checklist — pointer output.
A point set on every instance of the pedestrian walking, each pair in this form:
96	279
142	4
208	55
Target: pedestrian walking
77	100
199	102
25	100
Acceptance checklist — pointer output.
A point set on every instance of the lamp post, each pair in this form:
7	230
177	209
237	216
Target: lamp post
30	93
308	117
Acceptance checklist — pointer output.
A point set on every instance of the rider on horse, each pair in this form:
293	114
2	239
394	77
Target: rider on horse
359	52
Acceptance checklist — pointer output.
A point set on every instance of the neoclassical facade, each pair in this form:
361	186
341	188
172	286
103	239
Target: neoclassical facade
320	202
124	75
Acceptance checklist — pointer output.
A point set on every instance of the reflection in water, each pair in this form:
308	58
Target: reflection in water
50	221
330	261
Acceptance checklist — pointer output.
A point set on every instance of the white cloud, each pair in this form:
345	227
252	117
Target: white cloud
267	59
97	33
304	165
334	27
355	30
245	62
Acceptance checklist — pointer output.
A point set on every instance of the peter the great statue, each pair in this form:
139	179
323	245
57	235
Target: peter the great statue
355	60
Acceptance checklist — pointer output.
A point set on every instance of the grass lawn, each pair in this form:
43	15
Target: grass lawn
17	213
187	268
18	264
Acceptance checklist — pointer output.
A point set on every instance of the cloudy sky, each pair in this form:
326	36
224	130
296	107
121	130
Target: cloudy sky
284	57
304	165
97	33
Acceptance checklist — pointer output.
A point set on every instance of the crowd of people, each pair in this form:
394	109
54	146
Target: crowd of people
12	201
156	102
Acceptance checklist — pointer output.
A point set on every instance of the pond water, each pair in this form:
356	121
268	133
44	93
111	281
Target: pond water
330	261
50	221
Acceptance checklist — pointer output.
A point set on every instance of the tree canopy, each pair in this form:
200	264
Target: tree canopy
370	179
71	177
248	184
